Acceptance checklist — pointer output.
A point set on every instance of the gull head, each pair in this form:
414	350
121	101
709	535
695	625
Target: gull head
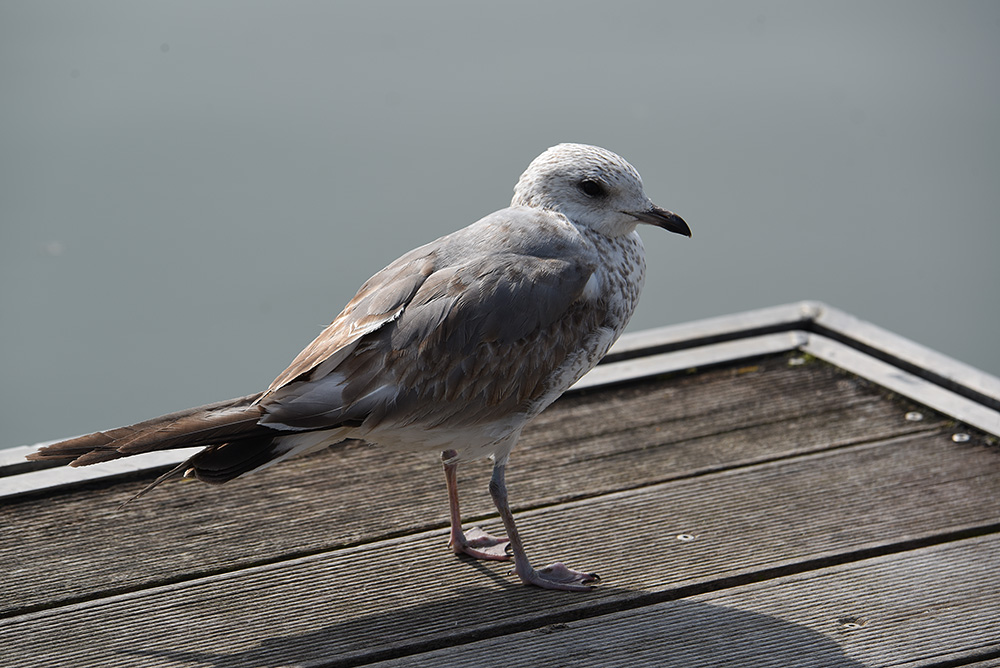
594	188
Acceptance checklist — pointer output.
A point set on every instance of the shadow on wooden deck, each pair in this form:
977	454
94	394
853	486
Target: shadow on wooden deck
766	508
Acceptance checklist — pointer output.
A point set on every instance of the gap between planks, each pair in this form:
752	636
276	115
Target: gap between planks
675	427
745	523
937	607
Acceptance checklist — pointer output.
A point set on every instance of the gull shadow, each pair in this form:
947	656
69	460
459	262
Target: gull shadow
681	633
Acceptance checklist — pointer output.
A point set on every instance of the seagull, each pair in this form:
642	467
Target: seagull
452	348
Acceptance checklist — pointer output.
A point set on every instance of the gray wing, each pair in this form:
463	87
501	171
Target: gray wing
379	301
465	334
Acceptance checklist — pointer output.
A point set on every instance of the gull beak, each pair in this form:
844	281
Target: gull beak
662	218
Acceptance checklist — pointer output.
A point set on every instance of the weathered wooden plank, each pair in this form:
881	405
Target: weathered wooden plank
929	607
585	445
402	595
971	408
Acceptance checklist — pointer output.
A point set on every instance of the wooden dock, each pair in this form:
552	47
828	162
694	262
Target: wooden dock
788	487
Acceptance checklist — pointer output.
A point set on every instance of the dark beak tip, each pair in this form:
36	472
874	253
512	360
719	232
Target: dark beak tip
668	220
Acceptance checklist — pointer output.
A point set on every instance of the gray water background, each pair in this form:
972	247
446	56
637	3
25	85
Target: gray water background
190	191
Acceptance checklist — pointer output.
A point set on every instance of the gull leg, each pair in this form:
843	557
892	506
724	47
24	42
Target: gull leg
554	576
475	542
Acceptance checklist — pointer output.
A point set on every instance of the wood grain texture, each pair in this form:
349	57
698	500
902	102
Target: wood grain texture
345	606
932	606
744	503
584	445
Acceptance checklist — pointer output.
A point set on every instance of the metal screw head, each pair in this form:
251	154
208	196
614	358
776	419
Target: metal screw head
685	537
914	416
960	438
797	361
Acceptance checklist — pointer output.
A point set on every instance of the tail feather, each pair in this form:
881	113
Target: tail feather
230	420
235	442
221	463
217	464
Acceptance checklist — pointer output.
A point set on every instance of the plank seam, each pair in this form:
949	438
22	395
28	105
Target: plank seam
969	660
684	591
440	528
915	431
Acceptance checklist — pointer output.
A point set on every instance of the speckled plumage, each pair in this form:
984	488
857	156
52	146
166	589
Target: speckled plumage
453	347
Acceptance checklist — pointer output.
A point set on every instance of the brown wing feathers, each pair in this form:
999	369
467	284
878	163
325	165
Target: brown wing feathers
421	317
233	419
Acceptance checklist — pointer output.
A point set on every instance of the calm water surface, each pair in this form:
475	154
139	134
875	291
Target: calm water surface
190	191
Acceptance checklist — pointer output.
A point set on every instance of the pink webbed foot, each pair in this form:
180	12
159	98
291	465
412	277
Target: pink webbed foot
478	544
558	576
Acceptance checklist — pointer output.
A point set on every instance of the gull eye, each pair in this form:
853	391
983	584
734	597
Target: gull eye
592	188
